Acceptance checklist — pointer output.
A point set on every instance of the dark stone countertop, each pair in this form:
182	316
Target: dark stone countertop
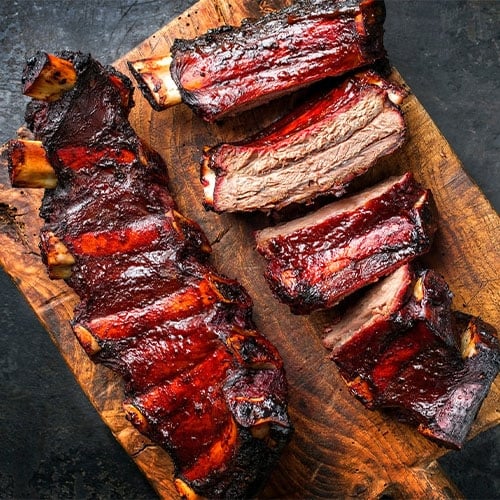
54	445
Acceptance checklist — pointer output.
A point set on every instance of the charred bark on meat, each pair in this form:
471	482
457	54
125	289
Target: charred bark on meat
316	261
231	69
199	379
402	349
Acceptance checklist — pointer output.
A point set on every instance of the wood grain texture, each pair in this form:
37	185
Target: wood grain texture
339	448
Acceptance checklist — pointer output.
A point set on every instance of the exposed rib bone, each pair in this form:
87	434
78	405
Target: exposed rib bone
155	81
185	491
56	256
86	339
111	211
232	69
47	77
28	165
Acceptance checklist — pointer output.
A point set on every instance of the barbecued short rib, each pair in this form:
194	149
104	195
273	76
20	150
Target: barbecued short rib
200	380
229	69
402	349
316	261
317	149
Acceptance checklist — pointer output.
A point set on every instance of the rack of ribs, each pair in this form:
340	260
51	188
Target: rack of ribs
200	380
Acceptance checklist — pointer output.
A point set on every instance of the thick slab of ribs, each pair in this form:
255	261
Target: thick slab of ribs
317	149
230	69
316	261
200	379
402	349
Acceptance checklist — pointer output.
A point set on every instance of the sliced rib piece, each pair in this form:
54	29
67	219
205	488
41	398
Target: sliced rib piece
199	379
378	305
318	149
443	388
360	341
230	69
402	349
316	261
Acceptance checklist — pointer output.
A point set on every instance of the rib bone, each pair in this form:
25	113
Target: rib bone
47	77
154	79
56	255
152	308
232	69
28	165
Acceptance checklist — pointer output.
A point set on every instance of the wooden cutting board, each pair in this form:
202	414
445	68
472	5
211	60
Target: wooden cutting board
339	449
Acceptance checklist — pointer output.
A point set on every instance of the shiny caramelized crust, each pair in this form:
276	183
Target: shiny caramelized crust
316	261
402	349
199	379
319	148
230	69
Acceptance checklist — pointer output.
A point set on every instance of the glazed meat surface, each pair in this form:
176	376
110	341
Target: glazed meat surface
231	69
317	149
402	349
316	261
200	380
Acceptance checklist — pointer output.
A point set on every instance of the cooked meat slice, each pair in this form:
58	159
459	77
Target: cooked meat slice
230	69
441	389
151	306
360	341
402	349
380	302
318	149
316	261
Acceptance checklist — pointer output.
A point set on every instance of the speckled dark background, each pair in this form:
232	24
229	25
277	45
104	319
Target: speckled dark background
52	443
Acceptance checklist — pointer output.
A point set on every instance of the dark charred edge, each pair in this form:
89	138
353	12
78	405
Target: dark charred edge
486	361
306	299
374	13
483	367
36	62
144	88
426	220
479	366
369	37
253	455
12	148
33	67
